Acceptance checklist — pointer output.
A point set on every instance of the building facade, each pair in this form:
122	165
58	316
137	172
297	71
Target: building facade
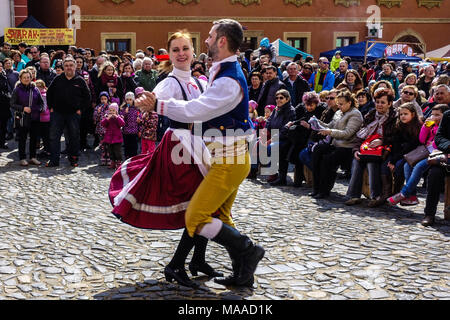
312	26
12	13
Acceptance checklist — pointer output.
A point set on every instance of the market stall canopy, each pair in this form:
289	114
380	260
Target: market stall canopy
402	56
285	51
356	51
31	22
441	54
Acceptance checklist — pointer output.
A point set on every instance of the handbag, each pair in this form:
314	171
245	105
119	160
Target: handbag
416	155
370	154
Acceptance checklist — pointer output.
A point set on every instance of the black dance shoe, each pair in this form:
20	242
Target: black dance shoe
180	275
205	268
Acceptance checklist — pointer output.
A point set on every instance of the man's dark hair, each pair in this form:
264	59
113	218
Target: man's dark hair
309	59
232	30
150	48
6	44
270	67
22	45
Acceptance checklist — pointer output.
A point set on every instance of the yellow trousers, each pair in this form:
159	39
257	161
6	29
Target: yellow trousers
217	191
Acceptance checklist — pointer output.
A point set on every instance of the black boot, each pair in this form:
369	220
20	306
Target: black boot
253	173
198	262
398	184
298	175
231	279
175	268
243	250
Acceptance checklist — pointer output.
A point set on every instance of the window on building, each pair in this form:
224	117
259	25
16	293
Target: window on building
118	46
298	43
345	41
249	43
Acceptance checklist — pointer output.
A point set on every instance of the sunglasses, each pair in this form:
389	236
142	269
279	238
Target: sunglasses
408	93
325	62
279	98
330	98
307	69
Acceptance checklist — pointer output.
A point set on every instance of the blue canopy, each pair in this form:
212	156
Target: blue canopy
285	50
31	22
356	51
402	56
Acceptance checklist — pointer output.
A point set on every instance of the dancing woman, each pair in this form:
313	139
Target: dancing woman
151	191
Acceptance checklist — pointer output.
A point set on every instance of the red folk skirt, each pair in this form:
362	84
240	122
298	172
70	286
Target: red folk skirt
149	191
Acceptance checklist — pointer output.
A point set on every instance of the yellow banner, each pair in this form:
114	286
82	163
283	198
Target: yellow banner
43	37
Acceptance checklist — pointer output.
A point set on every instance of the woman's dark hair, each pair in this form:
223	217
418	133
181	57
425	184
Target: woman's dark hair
413	127
198	70
347	95
364	92
128	64
58	56
257	74
232	30
202	65
441	107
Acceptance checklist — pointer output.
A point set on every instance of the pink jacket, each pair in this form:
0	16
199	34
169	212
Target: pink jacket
113	130
45	115
426	135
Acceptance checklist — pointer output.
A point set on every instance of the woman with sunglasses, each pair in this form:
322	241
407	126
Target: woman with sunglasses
283	114
409	94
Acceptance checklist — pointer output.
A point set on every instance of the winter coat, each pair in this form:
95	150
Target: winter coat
128	85
334	65
402	143
68	96
99	114
427	135
45	114
131	125
392	78
267	94
328	81
442	138
145	79
113	132
5	96
47	76
148	125
299	87
21	97
13	78
279	118
364	109
344	127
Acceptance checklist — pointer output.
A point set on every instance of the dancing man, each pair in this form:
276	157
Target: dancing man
222	107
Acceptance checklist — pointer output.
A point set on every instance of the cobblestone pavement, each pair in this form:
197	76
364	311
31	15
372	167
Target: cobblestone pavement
58	240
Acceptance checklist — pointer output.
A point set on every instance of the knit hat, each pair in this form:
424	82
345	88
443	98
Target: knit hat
129	95
265	42
252	104
114	106
270	107
104	93
138	91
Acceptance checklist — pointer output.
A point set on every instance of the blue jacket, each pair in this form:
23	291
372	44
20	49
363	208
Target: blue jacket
328	82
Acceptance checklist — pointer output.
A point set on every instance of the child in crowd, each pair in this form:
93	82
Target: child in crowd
130	115
267	112
99	113
405	140
113	122
407	195
252	113
148	125
44	129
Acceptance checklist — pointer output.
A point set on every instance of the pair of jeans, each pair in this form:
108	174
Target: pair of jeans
413	176
59	122
436	180
355	186
33	131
